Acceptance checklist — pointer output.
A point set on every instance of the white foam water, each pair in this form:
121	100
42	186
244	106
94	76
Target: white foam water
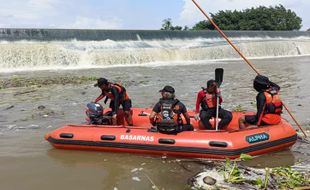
50	55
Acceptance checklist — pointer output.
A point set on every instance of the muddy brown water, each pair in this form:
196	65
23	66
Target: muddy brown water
27	161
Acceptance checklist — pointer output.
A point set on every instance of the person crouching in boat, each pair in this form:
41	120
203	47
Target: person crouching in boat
206	99
166	114
118	95
268	102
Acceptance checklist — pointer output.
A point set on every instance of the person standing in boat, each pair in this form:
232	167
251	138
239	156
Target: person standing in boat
118	96
268	102
166	114
206	99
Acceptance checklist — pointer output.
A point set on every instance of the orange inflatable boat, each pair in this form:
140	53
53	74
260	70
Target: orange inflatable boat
199	143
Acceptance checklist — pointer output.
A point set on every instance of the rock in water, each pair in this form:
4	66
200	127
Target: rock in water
209	180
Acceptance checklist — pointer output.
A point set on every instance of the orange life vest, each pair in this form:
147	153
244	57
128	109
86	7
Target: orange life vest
121	90
210	100
273	103
273	108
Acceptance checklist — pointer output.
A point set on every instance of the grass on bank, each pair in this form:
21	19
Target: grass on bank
280	177
43	81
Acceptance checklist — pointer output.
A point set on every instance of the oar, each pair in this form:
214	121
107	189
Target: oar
219	73
244	58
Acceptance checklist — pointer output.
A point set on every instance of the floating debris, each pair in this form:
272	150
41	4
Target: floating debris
34	126
134	170
136	179
10	107
41	107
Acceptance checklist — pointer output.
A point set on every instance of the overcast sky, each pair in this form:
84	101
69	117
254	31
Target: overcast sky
125	14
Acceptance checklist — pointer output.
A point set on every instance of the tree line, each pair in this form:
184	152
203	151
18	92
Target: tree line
260	18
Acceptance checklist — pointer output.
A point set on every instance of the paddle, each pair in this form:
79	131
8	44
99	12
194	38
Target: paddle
219	73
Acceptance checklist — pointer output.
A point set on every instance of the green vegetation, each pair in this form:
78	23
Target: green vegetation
260	18
21	81
279	177
245	157
232	172
286	178
167	25
262	184
42	81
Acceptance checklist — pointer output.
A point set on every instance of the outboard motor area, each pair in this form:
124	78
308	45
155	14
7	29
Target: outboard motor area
94	113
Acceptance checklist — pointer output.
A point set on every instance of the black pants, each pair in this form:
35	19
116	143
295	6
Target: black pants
206	115
126	104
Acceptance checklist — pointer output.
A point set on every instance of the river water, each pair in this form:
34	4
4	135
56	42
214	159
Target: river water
27	161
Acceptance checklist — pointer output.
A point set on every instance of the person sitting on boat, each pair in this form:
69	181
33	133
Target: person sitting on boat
268	102
166	114
206	99
118	95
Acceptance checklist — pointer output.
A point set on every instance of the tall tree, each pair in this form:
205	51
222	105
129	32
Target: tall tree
260	18
167	25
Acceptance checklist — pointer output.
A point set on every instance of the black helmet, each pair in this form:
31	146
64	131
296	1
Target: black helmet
261	83
168	88
101	81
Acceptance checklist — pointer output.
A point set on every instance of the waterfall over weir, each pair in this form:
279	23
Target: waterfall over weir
31	49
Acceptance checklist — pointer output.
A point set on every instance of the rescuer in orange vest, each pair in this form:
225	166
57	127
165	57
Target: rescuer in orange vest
118	96
269	104
206	99
166	114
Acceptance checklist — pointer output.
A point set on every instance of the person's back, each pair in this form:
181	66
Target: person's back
268	103
273	107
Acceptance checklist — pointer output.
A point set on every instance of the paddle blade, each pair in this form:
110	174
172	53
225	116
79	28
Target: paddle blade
219	72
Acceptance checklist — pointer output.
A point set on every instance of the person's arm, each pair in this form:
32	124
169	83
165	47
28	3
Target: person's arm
185	113
102	95
116	99
187	118
260	101
198	100
152	118
155	110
